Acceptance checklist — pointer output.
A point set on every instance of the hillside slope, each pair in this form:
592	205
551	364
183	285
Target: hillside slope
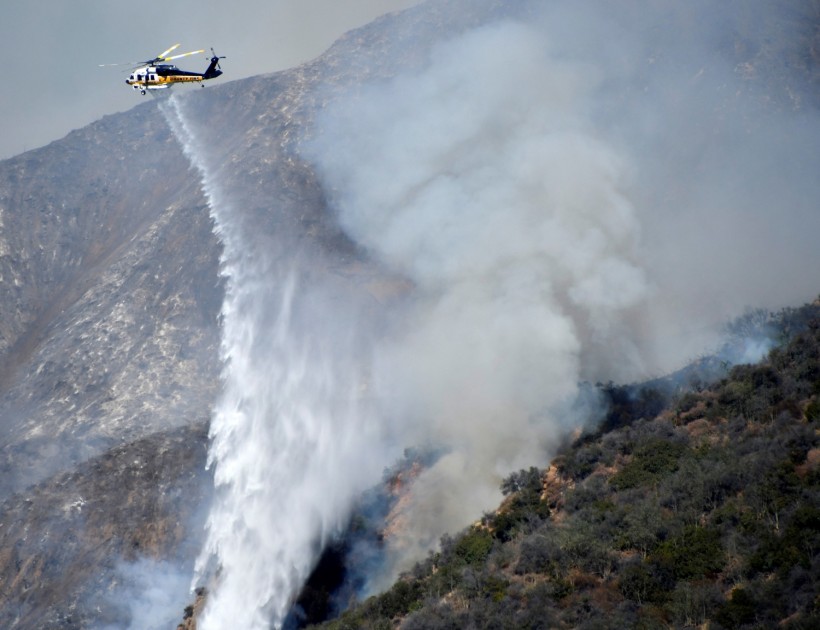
705	512
108	312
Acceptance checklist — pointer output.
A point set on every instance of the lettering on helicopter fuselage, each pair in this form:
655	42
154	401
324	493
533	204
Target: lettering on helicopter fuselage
163	80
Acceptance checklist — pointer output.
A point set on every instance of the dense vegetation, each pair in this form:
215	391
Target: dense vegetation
704	512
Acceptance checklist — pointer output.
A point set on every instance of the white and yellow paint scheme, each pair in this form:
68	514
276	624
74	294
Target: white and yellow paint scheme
160	76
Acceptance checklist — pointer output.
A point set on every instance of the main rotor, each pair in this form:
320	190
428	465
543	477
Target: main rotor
163	56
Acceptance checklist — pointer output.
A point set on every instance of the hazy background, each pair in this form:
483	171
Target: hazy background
51	50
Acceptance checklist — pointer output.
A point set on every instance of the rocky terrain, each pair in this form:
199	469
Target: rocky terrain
70	544
109	317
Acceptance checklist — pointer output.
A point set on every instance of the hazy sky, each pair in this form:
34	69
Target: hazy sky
51	50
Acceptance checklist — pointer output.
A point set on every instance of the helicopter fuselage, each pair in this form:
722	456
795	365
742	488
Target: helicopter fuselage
155	75
161	76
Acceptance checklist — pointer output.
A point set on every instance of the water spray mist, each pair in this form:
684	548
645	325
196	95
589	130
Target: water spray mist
289	418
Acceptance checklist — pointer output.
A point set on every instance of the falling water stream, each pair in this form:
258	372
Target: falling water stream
289	418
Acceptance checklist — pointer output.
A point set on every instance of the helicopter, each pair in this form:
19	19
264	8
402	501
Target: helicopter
152	74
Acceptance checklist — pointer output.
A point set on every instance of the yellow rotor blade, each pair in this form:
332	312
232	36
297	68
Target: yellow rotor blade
193	52
172	48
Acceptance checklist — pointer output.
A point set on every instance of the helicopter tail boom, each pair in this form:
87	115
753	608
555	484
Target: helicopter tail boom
213	70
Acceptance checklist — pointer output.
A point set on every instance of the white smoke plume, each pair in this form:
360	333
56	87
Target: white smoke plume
481	179
587	195
151	595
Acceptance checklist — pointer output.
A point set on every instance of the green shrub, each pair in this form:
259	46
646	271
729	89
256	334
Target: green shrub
638	584
474	546
738	611
793	547
541	554
813	410
688	401
495	587
524	506
734	396
692	603
695	553
401	599
651	460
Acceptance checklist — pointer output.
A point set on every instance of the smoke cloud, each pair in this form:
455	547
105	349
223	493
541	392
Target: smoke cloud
150	595
586	195
482	181
583	194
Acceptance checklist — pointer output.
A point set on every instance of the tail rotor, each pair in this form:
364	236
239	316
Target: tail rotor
214	57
